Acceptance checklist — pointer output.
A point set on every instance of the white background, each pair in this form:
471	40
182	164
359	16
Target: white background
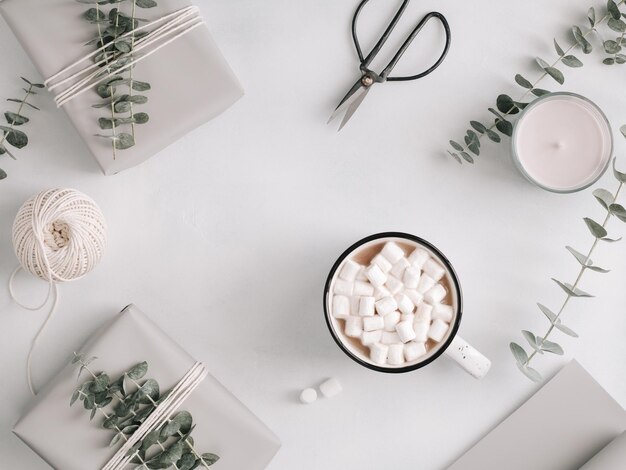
226	238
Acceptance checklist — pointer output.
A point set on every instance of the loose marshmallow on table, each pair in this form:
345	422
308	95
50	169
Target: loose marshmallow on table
350	270
390	337
386	305
393	284
418	257
395	355
435	294
425	283
367	306
308	395
341	307
413	351
392	252
373	323
443	312
378	353
421	331
415	296
437	330
399	267
363	288
330	388
404	303
354	327
382	262
434	269
370	337
411	277
424	313
343	287
391	320
376	275
405	331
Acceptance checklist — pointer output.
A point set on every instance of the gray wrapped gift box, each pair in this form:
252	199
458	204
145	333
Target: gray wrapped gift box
191	81
65	438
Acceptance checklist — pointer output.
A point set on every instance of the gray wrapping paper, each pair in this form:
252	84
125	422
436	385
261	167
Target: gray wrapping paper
612	457
191	81
65	438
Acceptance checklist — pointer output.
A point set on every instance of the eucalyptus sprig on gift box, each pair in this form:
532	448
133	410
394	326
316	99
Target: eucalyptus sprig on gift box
506	107
10	135
170	446
540	344
116	35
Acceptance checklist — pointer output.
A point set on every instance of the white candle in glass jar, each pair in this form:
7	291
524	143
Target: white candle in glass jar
562	142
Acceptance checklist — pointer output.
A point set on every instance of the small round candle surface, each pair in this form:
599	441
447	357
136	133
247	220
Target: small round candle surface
563	142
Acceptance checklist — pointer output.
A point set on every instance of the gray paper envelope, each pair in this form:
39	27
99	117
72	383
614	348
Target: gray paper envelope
191	81
65	438
612	457
561	427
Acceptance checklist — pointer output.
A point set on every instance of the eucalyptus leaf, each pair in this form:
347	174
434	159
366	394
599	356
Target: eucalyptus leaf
581	40
146	3
140	86
619	176
110	422
604	197
571	61
564	329
456	146
75	396
570	290
595	228
505	127
169	456
16	138
467	157
472	142
210	459
560	52
608	61
521	81
611	47
539	91
455	156
493	136
115	439
618	211
478	127
519	353
138	371
15	119
529	372
532	340
185	421
582	259
15	100
3	174
591	16
550	346
506	105
616	25
613	10
548	313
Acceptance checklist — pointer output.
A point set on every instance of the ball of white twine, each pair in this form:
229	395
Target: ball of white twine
59	235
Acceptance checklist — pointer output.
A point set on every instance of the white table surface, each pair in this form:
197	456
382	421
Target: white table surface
226	238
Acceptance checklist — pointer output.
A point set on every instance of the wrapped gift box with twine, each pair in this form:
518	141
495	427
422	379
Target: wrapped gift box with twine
185	80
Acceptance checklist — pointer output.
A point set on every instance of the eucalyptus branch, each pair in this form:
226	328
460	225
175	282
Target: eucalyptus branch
507	107
173	438
540	344
117	53
9	133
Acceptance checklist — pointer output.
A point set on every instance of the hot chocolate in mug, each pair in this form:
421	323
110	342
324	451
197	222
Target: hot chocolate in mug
393	303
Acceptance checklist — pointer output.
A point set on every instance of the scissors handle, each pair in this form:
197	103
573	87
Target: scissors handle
384	75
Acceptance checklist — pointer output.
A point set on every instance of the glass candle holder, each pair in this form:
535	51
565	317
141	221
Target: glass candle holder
562	142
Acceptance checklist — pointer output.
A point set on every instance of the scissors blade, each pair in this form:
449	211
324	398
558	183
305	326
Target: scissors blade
354	106
346	101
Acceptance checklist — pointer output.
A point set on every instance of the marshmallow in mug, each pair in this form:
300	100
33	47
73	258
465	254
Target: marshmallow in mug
401	304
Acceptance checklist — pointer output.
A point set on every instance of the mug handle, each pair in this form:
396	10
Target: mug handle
468	357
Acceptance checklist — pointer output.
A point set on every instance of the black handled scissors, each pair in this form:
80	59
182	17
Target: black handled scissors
353	99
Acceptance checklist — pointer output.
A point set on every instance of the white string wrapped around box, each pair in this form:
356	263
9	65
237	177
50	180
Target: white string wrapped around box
59	235
160	415
172	27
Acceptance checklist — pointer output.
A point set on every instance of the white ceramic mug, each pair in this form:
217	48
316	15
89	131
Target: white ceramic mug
452	345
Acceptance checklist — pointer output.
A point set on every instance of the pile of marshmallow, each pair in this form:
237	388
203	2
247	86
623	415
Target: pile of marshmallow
394	305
